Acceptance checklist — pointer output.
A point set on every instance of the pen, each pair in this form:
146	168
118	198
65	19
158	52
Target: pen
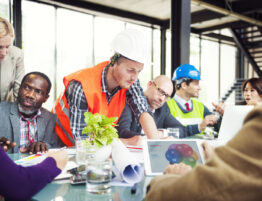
133	189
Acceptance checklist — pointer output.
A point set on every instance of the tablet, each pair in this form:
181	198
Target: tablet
158	154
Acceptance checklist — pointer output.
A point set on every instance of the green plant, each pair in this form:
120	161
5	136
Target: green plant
100	129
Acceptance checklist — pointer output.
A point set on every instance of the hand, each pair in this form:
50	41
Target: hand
208	150
6	144
179	169
168	138
209	120
61	158
219	108
136	140
35	147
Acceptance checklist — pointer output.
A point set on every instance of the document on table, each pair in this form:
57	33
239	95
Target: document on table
128	168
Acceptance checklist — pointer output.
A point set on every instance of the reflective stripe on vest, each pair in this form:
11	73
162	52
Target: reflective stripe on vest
63	132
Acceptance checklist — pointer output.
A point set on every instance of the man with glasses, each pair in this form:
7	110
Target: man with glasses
157	93
183	106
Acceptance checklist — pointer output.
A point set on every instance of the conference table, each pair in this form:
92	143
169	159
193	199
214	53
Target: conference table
63	190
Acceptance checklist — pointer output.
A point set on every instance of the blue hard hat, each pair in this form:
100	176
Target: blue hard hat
186	71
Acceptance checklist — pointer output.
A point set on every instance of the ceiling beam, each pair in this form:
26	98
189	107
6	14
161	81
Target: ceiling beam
104	9
236	24
204	15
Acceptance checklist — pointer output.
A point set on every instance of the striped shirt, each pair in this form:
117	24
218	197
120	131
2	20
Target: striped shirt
78	104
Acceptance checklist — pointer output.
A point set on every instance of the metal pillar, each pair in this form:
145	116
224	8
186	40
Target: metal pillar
163	51
180	30
17	19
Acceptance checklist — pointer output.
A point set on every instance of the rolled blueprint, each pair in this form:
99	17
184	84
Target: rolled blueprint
129	168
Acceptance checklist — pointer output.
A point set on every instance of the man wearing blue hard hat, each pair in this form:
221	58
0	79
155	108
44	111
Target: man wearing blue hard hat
184	107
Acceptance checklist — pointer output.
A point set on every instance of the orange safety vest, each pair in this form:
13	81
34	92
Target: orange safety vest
90	79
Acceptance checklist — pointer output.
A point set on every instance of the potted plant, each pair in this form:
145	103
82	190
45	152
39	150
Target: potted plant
101	133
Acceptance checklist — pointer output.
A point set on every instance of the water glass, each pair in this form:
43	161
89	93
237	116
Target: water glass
98	176
81	152
173	132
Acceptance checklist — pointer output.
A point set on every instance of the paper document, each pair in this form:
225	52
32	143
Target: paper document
129	169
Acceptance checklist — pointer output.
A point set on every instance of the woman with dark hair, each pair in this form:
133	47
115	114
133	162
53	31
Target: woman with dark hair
252	91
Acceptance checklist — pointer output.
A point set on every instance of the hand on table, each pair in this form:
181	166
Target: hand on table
35	147
178	169
134	141
61	158
208	120
6	144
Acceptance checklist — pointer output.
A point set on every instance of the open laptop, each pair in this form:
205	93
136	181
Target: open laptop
232	122
158	154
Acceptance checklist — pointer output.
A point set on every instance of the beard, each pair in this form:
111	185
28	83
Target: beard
27	112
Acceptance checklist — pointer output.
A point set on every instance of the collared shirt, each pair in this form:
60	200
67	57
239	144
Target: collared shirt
78	105
28	130
183	102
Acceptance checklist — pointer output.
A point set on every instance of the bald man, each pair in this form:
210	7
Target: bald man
157	93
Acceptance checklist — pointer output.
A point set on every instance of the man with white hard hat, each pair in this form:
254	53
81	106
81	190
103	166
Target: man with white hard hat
105	89
184	107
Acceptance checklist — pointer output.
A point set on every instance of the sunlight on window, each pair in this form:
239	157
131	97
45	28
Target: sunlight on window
74	44
39	41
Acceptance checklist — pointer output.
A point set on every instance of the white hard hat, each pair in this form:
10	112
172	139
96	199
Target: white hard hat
132	44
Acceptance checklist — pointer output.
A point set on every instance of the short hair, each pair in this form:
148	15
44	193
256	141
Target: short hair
6	28
180	81
256	83
41	75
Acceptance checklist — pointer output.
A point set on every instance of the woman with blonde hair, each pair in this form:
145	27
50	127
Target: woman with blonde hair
11	63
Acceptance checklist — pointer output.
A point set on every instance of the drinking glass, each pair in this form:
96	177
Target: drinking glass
173	132
98	176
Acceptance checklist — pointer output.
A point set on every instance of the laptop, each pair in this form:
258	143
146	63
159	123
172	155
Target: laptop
158	154
231	124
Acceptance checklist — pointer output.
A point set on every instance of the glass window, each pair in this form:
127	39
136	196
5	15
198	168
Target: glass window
209	72
74	43
168	54
105	30
194	51
39	41
156	52
4	9
228	68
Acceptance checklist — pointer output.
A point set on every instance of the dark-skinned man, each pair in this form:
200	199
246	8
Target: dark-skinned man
24	125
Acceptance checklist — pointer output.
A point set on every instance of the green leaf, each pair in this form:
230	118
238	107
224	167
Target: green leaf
100	129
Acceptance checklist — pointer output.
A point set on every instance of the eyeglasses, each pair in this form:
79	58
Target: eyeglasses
161	91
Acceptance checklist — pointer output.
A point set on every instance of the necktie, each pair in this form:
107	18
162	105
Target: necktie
187	107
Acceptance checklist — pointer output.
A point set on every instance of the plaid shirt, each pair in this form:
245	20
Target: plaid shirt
78	105
28	130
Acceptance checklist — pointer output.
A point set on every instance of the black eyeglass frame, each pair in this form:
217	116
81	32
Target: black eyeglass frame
160	91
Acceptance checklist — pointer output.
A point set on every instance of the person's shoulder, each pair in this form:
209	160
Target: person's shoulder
46	113
15	51
5	105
